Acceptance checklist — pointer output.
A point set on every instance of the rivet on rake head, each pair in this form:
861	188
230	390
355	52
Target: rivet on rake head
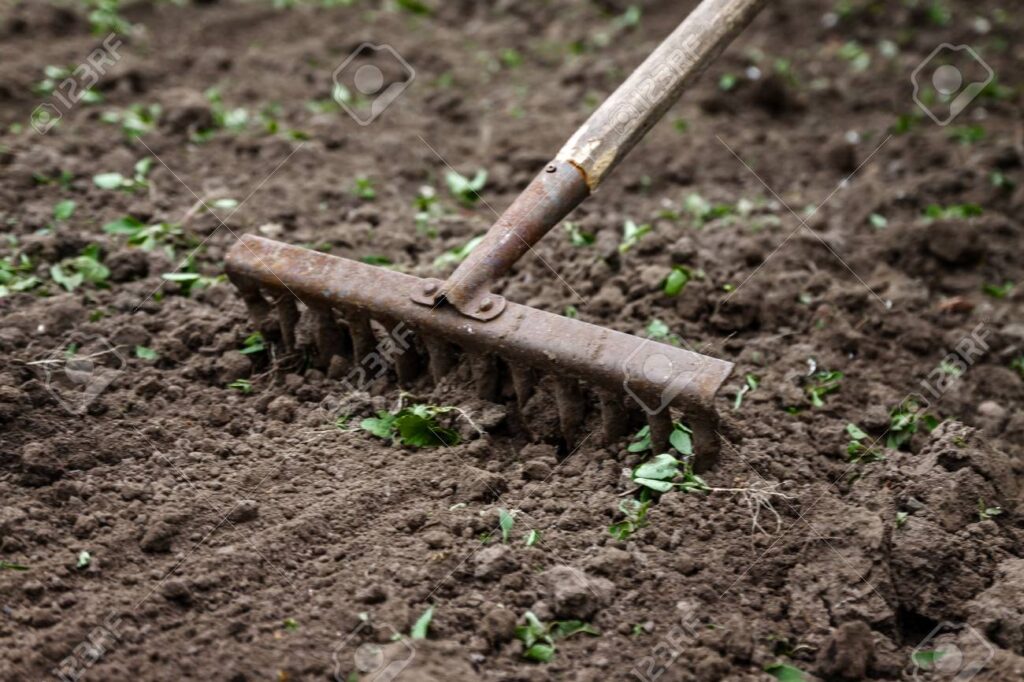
551	168
486	305
430	287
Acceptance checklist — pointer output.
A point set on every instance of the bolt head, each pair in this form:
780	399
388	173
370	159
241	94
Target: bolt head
486	305
430	287
551	168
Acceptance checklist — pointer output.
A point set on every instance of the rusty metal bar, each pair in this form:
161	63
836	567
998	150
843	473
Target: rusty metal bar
551	195
655	375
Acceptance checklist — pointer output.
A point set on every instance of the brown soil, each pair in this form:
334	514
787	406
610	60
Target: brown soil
214	516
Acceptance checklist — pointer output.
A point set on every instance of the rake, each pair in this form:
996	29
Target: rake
462	319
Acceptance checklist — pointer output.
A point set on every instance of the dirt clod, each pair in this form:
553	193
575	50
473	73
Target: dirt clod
848	652
243	511
481	485
493	562
499	625
574	594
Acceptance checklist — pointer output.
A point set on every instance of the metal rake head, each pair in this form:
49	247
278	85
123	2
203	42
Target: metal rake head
282	284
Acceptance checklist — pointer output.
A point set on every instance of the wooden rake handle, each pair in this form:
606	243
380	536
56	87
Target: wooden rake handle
640	102
590	154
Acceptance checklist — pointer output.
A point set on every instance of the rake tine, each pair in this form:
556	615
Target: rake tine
613	416
330	339
706	443
661	429
523	381
402	352
571	406
485	375
259	309
363	339
287	319
442	357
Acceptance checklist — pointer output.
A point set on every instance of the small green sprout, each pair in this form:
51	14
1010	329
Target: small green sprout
147	237
11	566
783	672
858	57
658	331
677	279
926	659
456	255
750	383
291	625
703	211
55	76
105	17
428	210
969	134
71	273
578	237
253	343
413	7
144	353
64	179
539	638
135	183
986	512
415	426
511	58
364	189
905	123
631	234
16	275
466	190
905	420
856	450
681	439
422	624
532	538
190	281
63	210
822	383
878	221
657	473
506	521
84	559
635	513
998	290
135	121
901	518
242	385
956	211
951	368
